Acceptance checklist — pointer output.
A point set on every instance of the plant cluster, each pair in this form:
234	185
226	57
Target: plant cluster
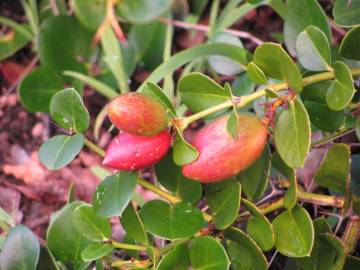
231	196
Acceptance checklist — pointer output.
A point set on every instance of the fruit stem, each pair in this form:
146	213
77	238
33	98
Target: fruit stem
119	245
167	196
244	100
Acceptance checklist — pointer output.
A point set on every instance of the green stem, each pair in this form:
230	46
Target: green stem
332	137
94	147
119	245
167	196
320	199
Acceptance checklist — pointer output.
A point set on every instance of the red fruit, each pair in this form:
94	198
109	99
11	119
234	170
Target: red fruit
222	156
138	114
128	152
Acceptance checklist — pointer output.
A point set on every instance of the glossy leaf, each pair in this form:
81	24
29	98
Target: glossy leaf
170	176
207	253
60	150
256	74
346	13
96	251
338	246
255	178
294	232
292	134
244	253
183	152
68	110
176	259
133	225
224	201
91	226
63	238
114	193
38	87
334	169
313	49
89	13
276	63
21	250
171	221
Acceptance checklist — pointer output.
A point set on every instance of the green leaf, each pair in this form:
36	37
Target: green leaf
199	92
142	11
207	253
21	250
68	110
294	232
357	127
350	40
4	216
46	260
89	13
334	169
154	91
255	178
74	43
244	253
176	259
256	74
133	225
352	263
91	226
233	125
342	89
259	227
114	193
347	13
223	65
313	49
183	152
63	238
170	176
96	251
290	196
60	150
171	221
38	87
276	63
292	134
301	14
224	201
337	245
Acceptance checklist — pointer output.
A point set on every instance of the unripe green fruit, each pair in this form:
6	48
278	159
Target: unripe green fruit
222	156
138	114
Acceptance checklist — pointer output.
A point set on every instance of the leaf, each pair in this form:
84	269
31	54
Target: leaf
223	65
224	201
301	14
244	253
342	89
176	259
114	193
142	11
294	232
272	59
337	245
154	91
357	127
233	125
68	110
350	40
255	178
89	13
171	221
170	176
198	92
21	250
60	150
91	226
38	87
183	152
313	49
256	74
207	253
292	134
133	225
63	238
96	251
46	260
334	169
290	196
352	263
4	216
346	13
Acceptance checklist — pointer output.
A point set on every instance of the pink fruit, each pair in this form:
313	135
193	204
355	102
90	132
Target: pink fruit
221	156
128	152
138	114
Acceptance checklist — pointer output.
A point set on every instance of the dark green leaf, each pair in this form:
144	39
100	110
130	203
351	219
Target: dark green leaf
352	263
68	110
60	150
114	193
96	251
133	225
171	221
256	74
224	201
338	246
37	89
89	13
349	43
347	12
176	259
21	250
46	260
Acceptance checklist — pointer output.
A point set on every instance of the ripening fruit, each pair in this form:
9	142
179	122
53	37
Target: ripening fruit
128	152
138	114
222	156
